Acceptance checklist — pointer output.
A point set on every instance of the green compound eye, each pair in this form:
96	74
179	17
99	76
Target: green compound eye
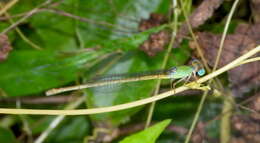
201	72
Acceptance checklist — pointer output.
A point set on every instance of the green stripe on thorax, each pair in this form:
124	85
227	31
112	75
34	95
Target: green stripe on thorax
180	72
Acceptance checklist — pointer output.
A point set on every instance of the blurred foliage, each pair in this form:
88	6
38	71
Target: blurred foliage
72	130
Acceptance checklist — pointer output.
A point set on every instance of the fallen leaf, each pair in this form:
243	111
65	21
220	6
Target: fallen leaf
255	8
156	41
247	128
199	135
198	17
5	47
153	21
255	106
246	37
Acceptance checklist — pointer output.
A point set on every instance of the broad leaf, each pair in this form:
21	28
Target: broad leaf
148	135
29	72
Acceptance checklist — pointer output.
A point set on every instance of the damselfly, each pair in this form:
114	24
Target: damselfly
178	72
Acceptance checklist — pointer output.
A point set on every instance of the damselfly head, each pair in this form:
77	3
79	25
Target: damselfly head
198	68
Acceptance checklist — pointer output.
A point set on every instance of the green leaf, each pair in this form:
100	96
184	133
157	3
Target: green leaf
129	43
51	31
148	135
27	6
28	72
176	106
48	29
6	136
120	17
218	28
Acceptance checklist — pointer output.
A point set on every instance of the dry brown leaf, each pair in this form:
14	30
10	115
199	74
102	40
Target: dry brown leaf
242	78
199	135
5	47
156	41
198	17
248	129
255	106
153	21
255	8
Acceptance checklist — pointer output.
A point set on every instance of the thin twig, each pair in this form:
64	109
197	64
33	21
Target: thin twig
225	124
165	60
8	6
198	48
194	38
212	79
4	18
40	100
225	34
196	117
20	33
